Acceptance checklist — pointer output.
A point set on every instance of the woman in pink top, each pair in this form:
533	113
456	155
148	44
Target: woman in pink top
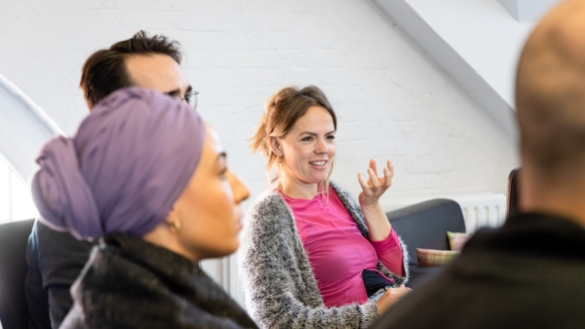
313	257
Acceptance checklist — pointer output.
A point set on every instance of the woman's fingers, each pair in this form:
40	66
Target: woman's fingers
374	185
373	166
374	182
387	178
373	174
388	174
390	167
390	297
363	183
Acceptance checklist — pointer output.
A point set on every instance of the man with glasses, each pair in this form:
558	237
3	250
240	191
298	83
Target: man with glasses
55	259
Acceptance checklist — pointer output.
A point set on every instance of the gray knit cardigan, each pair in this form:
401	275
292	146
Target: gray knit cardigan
280	289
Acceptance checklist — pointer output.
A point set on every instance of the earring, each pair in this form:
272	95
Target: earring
176	226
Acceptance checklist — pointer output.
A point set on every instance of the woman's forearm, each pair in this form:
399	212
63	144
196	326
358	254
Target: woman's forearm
390	253
378	225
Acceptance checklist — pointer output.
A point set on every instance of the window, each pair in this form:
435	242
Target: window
24	128
15	199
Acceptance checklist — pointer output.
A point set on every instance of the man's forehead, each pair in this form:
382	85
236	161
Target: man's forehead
156	71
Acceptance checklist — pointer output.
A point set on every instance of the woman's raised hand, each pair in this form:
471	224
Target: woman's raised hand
375	186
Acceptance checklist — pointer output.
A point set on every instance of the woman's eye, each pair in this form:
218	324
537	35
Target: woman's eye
331	137
306	139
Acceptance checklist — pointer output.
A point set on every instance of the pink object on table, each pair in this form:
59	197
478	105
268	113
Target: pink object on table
338	252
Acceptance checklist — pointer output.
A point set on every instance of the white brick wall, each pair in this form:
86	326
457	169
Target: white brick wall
391	101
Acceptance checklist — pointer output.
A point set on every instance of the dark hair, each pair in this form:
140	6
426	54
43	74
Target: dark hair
105	71
283	109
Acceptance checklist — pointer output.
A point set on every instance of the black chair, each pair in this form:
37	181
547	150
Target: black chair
425	225
13	241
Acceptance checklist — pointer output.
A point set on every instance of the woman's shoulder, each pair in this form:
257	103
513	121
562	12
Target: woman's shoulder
339	190
345	197
268	221
268	203
268	214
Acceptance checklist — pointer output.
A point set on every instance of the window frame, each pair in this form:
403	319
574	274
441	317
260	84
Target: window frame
24	129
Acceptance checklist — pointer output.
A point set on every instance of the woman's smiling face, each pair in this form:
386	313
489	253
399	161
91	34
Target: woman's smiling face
308	149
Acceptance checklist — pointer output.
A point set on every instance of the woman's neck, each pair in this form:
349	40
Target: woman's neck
162	237
297	190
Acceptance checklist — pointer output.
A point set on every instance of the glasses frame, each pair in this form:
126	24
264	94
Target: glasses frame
190	98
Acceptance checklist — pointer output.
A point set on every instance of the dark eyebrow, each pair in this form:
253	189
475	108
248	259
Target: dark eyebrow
177	92
173	93
313	134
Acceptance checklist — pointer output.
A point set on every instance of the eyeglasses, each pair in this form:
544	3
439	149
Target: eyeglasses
190	98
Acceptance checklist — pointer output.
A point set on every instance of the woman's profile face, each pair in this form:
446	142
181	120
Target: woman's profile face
308	148
208	209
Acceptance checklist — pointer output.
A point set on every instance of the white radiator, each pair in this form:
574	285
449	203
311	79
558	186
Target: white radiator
482	210
478	209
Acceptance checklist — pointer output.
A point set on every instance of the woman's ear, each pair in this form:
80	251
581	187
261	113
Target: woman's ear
173	221
171	216
275	146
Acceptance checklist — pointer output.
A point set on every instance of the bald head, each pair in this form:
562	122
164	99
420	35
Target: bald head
550	108
550	94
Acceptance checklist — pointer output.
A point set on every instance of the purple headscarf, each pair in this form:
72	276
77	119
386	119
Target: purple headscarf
129	162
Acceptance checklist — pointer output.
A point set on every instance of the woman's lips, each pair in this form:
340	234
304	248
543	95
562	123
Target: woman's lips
318	163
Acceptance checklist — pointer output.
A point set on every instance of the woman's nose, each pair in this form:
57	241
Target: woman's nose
240	191
321	146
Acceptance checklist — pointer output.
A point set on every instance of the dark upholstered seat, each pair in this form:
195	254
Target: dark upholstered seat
13	241
425	225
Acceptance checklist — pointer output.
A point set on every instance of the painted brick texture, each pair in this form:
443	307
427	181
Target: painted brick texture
392	103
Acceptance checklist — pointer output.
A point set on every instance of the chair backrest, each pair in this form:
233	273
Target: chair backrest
425	224
13	241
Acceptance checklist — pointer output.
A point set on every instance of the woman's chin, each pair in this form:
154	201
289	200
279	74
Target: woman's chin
220	250
229	249
319	179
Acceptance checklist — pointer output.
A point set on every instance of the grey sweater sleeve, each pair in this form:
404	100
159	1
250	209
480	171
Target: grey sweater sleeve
280	287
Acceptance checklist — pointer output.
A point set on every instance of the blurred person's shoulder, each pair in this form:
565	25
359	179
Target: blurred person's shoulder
527	273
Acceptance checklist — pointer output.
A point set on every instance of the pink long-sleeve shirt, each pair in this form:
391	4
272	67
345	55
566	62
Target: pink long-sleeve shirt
338	252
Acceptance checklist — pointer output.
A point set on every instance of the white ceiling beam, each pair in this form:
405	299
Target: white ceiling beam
528	10
24	129
476	43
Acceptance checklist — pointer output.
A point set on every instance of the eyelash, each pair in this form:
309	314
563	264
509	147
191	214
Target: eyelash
306	139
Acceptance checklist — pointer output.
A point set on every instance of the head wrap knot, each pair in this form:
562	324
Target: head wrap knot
129	162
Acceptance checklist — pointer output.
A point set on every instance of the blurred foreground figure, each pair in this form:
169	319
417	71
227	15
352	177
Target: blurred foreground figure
529	273
146	177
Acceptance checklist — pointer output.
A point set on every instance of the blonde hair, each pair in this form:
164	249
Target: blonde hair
282	110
